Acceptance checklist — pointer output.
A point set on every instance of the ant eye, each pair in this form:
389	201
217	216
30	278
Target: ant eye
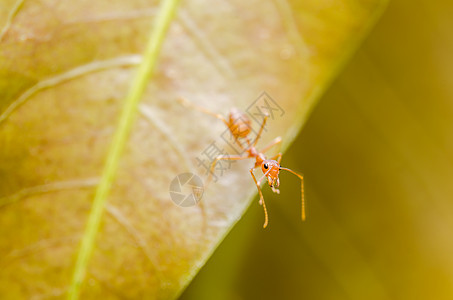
266	166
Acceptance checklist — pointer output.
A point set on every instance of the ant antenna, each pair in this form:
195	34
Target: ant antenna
301	188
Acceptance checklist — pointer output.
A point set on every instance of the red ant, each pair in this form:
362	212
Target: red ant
240	127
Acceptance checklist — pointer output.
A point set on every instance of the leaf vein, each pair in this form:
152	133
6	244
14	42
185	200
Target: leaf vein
95	66
9	19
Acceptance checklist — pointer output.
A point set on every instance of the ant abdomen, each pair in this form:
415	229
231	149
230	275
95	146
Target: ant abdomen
239	124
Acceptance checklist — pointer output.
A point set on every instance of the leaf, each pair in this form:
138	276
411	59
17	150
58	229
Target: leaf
64	73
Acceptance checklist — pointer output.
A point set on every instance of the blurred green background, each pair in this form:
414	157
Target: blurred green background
377	155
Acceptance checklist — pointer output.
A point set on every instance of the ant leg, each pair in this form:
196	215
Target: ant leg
222	157
187	103
260	131
301	189
278	158
275	190
236	139
257	183
276	141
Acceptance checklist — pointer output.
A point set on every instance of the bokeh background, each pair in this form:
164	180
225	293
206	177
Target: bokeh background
377	155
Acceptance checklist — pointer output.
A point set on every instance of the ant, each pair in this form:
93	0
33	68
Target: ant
240	127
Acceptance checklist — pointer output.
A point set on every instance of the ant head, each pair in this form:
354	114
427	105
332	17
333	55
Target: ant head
271	168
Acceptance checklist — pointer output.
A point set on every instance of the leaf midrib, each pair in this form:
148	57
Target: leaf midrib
127	117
